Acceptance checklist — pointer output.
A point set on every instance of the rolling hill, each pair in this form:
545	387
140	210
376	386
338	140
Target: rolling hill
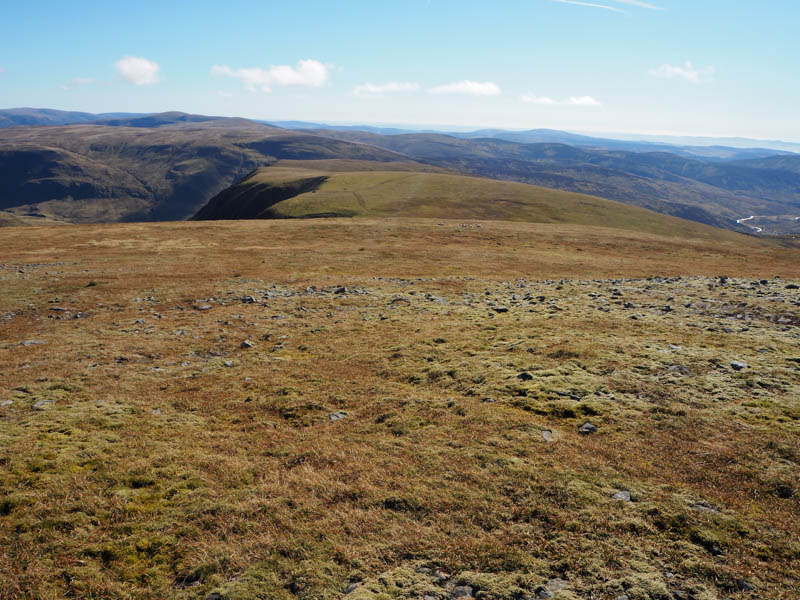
166	168
329	190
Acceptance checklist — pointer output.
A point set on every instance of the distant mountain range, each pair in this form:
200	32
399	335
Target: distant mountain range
168	165
692	147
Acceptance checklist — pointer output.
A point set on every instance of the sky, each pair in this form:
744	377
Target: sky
682	67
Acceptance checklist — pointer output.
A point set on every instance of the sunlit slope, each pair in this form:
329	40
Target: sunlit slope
291	192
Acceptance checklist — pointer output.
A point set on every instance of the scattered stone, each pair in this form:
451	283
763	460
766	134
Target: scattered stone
337	416
793	286
525	376
623	496
156	412
5	403
247	344
32	342
249	300
544	594
340	290
547	435
441	576
587	428
461	591
703	507
352	587
738	366
214	596
202	307
43	404
554	585
745	585
488	400
228	363
500	309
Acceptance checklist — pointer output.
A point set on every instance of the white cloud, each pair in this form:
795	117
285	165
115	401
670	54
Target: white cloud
224	94
687	72
471	88
308	73
2	70
370	89
590	4
582	101
139	71
531	98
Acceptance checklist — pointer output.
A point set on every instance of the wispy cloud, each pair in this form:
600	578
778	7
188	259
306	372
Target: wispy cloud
2	70
77	81
307	73
137	70
224	94
469	88
591	5
687	72
531	98
636	3
392	87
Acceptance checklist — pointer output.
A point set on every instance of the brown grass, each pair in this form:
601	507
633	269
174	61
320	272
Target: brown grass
159	472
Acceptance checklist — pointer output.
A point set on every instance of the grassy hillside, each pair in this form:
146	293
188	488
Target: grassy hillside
405	420
708	192
292	192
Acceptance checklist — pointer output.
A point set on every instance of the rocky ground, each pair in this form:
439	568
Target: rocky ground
232	435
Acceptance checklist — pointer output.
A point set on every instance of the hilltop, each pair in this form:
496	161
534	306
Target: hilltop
367	409
308	189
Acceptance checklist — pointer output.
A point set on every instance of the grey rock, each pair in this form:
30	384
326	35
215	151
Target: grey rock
587	428
247	344
202	307
249	300
429	597
525	376
703	507
557	584
461	591
745	585
32	342
5	403
352	587
738	365
228	363
337	416
43	404
547	435
488	400
214	596
500	309
623	496
793	286
621	598
545	594
340	290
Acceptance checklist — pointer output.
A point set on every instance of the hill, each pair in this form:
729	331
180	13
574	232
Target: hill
709	192
408	417
21	117
292	192
164	168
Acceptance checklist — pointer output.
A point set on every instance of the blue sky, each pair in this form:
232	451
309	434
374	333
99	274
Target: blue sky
698	67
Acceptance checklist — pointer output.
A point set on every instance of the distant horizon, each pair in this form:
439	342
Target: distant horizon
644	136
